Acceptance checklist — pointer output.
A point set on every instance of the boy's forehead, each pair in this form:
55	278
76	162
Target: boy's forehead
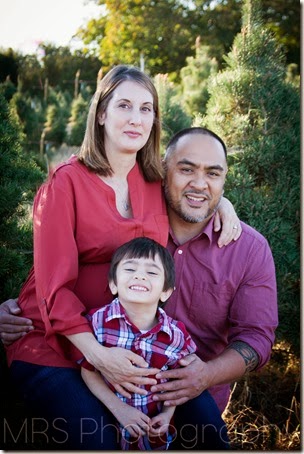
143	260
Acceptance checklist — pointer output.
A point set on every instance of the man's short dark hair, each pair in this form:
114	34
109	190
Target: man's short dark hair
188	131
143	247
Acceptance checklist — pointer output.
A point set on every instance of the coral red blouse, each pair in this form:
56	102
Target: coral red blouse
76	230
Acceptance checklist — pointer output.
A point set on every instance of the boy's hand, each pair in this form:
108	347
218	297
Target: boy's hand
159	424
134	421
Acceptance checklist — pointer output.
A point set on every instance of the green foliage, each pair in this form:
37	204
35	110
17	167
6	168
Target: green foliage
57	114
8	66
77	124
173	116
159	31
19	177
194	80
31	117
164	31
257	112
7	89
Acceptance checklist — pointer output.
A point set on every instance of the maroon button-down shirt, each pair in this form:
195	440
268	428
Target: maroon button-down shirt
225	294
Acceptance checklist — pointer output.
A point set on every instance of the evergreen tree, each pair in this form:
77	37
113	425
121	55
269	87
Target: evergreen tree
57	115
194	80
19	178
173	116
31	117
257	111
77	124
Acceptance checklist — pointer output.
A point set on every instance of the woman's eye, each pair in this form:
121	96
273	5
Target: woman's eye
129	269
124	105
146	109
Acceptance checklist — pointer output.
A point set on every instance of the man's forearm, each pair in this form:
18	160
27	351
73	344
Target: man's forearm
233	363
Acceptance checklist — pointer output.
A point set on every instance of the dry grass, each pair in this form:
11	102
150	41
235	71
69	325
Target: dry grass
264	410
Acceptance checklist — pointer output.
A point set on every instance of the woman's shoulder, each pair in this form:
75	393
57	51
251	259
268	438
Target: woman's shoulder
71	170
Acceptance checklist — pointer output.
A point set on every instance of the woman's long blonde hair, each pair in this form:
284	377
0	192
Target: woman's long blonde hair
92	152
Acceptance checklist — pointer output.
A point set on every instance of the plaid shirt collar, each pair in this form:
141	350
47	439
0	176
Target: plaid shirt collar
116	310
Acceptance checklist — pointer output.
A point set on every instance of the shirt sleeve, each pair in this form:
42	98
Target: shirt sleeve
56	264
253	313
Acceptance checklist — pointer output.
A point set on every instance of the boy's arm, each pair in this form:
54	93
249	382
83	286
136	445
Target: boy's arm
133	420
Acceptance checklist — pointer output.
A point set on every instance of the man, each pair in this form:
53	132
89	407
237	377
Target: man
225	296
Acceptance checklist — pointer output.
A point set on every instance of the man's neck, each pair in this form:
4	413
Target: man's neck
184	231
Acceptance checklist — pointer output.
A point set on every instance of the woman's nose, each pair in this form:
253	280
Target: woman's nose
135	118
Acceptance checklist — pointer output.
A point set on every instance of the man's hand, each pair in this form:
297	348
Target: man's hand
185	383
12	326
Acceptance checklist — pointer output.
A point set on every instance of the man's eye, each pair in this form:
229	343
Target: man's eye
186	170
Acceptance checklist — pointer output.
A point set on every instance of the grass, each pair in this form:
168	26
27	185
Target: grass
264	409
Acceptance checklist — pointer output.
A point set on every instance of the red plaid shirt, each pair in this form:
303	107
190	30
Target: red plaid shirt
161	347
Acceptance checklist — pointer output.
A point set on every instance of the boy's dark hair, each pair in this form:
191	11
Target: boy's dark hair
143	247
188	131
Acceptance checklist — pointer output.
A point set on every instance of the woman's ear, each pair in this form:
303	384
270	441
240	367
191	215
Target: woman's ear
165	295
113	287
101	118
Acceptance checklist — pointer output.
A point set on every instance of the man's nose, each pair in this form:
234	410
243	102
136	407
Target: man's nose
199	182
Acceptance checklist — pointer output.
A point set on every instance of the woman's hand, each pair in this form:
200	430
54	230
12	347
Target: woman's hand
227	220
124	370
12	325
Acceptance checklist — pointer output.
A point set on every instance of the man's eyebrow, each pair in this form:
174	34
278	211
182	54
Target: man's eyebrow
192	164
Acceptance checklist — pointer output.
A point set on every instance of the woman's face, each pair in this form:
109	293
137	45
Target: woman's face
128	118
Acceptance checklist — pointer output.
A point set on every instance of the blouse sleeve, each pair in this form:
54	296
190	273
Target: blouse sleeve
56	263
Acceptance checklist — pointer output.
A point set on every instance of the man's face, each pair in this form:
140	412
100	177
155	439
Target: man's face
195	177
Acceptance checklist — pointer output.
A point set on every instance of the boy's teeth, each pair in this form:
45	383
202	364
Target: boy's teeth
138	287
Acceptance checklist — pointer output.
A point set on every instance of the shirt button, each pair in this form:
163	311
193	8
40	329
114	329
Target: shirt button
179	251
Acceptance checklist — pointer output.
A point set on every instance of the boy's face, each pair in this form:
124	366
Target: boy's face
140	280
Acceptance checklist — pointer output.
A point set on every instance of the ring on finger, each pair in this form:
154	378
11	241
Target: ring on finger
235	227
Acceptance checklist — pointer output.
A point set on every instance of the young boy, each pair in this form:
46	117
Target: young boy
142	275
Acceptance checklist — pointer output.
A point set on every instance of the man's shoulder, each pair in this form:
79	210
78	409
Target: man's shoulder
249	233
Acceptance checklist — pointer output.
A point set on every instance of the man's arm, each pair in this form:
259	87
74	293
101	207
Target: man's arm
191	380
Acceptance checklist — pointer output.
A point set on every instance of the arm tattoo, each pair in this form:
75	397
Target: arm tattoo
248	354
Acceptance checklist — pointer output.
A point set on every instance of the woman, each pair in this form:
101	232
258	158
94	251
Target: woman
90	205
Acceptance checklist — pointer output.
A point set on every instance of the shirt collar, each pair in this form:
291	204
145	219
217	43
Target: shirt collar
206	231
116	310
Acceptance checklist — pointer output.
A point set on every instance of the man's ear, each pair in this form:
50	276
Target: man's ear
166	295
113	287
